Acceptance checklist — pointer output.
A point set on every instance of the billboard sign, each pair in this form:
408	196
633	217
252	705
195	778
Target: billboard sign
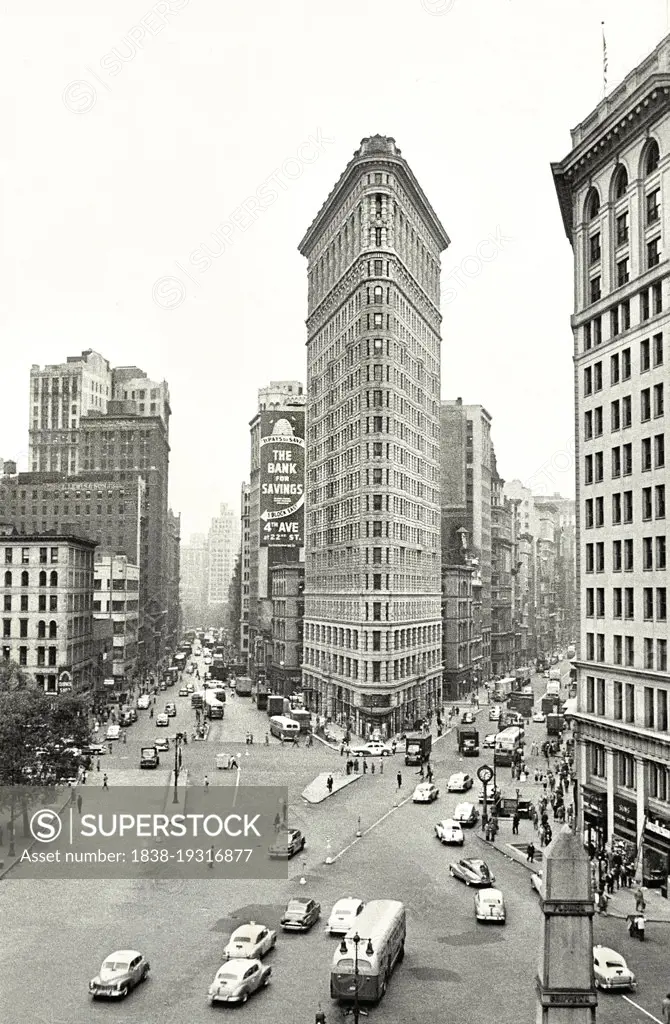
282	479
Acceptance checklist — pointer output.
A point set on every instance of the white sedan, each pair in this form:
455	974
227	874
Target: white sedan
250	942
539	717
343	915
460	782
490	906
490	741
611	970
143	702
162	720
425	793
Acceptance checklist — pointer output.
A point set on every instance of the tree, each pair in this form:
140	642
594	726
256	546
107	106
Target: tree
12	677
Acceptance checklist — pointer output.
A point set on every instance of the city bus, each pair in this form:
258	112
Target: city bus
383	924
214	707
243	686
284	728
509	743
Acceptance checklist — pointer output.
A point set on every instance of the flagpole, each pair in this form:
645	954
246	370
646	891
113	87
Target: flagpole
602	23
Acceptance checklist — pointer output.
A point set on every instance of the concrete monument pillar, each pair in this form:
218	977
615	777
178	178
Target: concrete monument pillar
566	991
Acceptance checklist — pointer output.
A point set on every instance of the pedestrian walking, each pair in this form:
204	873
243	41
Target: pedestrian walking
329	783
320	1016
267	740
104	781
342	749
97	765
530	853
79	803
429	772
365	766
356	765
372	767
399	780
665	1009
125	737
277	822
515	823
640	903
206	783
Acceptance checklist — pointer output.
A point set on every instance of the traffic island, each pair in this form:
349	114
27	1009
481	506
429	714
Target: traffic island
318	791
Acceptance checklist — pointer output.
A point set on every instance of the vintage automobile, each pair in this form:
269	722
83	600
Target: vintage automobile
143	702
611	970
460	782
183	691
287	844
536	882
343	915
472	872
425	793
490	906
466	815
120	973
449	832
300	914
162	744
250	941
162	720
467	718
236	980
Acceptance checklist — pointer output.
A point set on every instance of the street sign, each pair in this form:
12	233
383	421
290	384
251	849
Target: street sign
485	773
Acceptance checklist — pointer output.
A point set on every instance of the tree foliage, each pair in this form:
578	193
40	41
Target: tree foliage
40	735
12	677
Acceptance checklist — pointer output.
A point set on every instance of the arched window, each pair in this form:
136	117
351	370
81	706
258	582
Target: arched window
8	579
53	579
592	205
43	578
650	158
41	629
53	629
619	182
24	578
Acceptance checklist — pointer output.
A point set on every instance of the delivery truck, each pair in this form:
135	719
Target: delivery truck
278	705
261	695
521	702
149	757
555	724
549	703
468	741
417	748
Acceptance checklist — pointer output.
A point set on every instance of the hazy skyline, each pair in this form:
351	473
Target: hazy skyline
136	139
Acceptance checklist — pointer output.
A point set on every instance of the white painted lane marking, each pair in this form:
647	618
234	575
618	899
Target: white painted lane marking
370	828
638	1007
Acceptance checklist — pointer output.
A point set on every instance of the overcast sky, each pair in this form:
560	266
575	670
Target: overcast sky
132	134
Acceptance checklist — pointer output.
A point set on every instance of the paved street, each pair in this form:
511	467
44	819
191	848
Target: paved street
182	926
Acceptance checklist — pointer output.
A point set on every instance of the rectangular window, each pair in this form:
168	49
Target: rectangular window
617	649
589	556
622	229
645	355
600	512
657	293
629	703
600	604
590	604
629	602
23	627
660	501
645	405
614	322
626	411
588	513
630	651
614	369
644	305
627	459
616	509
588	469
594	283
646	503
616	556
600	697
588	425
658	349
617	606
661	655
660	552
587	337
590	694
594	248
653	206
600	557
627	506
597	376
625	364
659	401
615	415
648	603
653	253
588	380
647	553
618	701
659	451
598	467
661	604
645	454
662	710
376	671
628	555
23	656
622	273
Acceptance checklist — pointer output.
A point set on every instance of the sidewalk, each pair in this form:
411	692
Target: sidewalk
317	791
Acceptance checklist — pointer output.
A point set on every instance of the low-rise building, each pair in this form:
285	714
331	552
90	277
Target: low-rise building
116	598
46	591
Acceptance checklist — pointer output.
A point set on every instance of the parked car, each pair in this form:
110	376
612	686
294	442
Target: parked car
171	710
162	720
236	980
287	844
120	973
300	914
460	782
162	744
466	814
449	832
250	941
472	872
490	906
343	915
425	793
611	970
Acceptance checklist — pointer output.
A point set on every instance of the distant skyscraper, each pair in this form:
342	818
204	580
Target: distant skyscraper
372	635
194	581
222	549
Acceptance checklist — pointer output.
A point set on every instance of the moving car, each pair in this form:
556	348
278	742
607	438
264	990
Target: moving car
490	741
143	702
95	749
472	872
170	710
190	687
449	832
250	941
494	714
236	980
611	970
113	732
287	844
183	691
425	793
460	782
120	973
376	748
343	915
300	914
162	720
536	882
539	717
466	814
467	718
162	744
490	906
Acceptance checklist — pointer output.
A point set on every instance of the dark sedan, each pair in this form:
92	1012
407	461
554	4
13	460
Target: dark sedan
472	872
300	914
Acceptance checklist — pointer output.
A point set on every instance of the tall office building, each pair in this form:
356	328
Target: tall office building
372	633
245	554
193	586
614	199
466	440
223	544
59	396
275	506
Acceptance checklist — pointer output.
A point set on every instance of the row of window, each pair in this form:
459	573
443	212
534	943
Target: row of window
650	303
652	259
23	628
45	656
623	555
652	500
654	603
8	605
652	456
45	555
652	401
651	356
654	653
25	579
617	701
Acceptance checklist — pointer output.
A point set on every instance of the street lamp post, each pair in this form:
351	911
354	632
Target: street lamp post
177	765
369	951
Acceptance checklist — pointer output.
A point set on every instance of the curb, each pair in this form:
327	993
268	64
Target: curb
345	781
5	871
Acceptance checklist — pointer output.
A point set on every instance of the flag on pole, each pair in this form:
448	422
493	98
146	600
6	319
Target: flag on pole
604	60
